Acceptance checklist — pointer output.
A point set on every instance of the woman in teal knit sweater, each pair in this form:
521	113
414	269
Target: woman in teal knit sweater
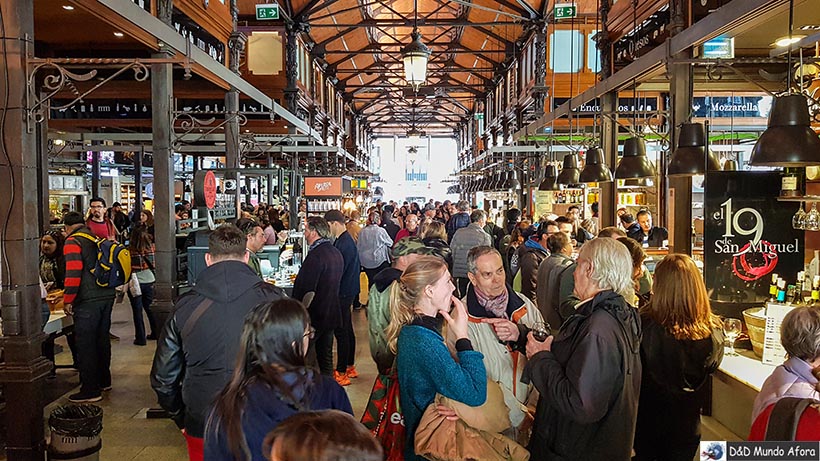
425	365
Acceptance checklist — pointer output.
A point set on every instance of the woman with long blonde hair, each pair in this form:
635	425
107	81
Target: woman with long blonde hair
418	300
682	345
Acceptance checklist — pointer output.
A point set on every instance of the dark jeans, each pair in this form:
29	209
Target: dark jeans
372	272
92	321
323	346
138	304
345	338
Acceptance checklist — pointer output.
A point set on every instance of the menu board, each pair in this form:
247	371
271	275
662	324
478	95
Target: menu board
748	235
773	351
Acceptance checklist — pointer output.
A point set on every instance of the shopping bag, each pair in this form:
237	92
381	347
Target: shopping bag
383	416
134	286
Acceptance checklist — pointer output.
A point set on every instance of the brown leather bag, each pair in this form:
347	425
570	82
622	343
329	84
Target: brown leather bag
55	300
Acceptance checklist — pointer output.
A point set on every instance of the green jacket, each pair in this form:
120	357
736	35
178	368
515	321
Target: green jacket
253	261
378	318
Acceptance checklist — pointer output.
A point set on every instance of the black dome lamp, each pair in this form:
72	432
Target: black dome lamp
595	169
512	182
550	181
634	163
789	140
692	156
569	173
498	181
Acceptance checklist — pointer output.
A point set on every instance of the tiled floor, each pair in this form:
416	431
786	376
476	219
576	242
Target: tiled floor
128	435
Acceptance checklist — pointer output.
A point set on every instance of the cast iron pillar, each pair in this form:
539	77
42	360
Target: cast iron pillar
236	45
680	95
540	90
609	144
291	71
165	225
23	369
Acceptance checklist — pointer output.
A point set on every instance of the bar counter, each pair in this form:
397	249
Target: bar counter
734	388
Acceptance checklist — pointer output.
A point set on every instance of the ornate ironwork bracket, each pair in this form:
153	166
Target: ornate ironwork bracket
60	75
195	122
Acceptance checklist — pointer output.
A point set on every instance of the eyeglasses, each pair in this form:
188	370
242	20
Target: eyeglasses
311	333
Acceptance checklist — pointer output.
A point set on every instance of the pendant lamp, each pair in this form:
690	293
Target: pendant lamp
498	184
570	172
595	169
789	140
512	182
634	163
550	181
692	157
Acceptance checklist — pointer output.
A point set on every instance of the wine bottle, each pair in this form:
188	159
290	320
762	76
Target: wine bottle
773	289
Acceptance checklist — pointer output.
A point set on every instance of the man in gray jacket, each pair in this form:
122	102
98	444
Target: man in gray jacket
463	241
550	273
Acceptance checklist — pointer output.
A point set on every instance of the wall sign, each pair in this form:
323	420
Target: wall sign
324	186
748	235
625	106
647	36
205	189
731	106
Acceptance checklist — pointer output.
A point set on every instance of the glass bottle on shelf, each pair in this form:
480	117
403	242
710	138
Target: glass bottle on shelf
773	289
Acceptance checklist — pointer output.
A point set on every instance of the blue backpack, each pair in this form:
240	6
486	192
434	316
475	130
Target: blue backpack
113	267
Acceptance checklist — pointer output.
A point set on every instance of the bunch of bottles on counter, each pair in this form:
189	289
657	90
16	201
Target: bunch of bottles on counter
569	196
782	293
324	205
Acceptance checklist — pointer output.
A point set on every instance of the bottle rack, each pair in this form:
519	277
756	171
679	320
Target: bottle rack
320	206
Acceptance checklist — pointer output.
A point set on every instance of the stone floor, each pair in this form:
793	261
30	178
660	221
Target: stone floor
128	435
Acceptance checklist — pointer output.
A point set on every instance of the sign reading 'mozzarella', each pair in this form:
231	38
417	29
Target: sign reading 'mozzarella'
748	235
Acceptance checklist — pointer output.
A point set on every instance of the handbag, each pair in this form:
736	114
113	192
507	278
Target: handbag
383	416
55	300
134	286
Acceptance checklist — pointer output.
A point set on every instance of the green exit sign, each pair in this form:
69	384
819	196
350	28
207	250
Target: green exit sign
565	10
267	11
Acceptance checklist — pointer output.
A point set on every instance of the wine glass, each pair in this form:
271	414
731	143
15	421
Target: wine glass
732	328
799	219
540	331
812	218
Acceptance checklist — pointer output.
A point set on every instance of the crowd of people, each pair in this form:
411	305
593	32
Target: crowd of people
584	351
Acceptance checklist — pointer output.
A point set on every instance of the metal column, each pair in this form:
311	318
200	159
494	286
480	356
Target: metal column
608	203
164	222
95	174
232	138
23	368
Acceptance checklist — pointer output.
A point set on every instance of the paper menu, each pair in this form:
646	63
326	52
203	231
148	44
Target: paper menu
773	351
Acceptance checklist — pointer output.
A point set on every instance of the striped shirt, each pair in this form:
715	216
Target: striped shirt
73	268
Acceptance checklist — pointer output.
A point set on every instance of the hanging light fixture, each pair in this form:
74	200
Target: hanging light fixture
415	55
570	172
550	181
789	140
595	169
634	163
512	182
692	156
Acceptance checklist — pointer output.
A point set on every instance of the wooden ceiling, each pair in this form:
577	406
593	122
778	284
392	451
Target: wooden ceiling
471	40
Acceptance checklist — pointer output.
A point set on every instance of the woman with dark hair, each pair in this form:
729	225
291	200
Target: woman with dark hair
271	381
52	274
147	220
141	246
682	345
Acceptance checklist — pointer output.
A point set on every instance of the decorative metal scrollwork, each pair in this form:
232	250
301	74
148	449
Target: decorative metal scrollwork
194	122
60	78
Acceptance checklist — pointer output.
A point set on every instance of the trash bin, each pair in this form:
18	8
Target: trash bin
75	433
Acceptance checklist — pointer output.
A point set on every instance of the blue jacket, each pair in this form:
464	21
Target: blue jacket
426	367
265	408
456	222
349	287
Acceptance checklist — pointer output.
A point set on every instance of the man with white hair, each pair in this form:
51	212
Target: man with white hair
589	374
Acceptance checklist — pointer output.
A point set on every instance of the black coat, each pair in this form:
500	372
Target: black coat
350	285
655	237
189	371
321	273
589	384
674	374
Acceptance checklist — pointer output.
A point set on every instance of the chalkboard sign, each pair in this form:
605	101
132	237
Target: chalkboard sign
748	235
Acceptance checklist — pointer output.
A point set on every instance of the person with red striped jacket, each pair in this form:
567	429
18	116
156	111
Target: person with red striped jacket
90	305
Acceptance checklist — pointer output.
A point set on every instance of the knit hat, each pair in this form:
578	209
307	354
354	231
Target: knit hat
410	245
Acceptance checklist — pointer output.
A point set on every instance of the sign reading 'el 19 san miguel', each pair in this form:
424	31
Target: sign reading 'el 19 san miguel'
748	235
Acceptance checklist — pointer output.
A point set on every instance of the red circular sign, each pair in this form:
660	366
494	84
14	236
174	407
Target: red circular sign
209	189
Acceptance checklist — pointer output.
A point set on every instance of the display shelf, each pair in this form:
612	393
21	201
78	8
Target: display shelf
804	198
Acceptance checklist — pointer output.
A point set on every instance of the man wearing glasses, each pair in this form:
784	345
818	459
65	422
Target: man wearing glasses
98	222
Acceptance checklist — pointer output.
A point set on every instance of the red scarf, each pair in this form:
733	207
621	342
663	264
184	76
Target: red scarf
496	306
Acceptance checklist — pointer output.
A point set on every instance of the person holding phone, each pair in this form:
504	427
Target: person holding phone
421	298
589	374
